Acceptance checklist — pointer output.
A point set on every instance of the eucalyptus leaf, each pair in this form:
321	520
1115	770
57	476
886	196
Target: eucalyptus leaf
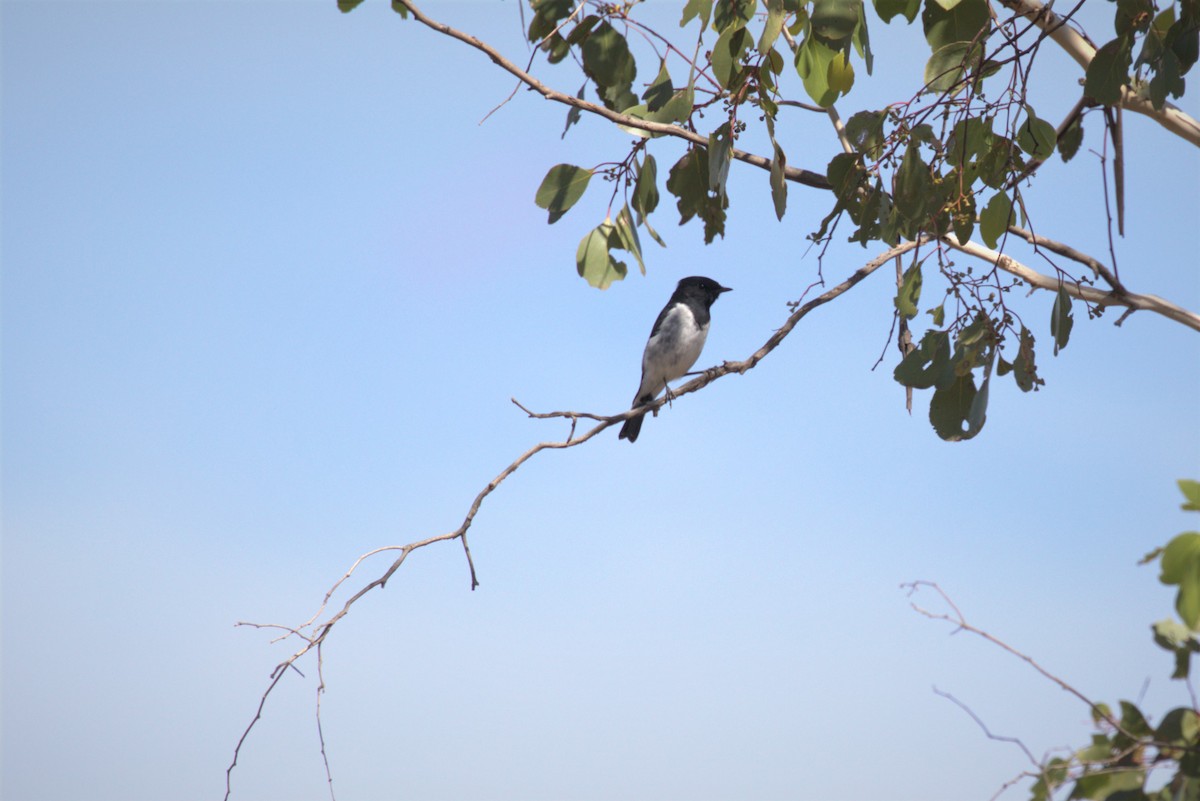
563	185
946	68
720	149
996	217
964	22
593	261
645	189
927	364
701	9
1036	136
1071	139
1191	492
778	182
660	91
908	295
950	409
1108	71
1061	319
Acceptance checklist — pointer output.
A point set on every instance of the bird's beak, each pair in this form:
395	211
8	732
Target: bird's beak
724	288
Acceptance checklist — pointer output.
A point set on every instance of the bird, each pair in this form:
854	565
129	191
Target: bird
675	343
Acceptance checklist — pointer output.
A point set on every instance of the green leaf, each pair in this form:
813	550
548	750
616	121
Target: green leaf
1108	782
1109	71
845	173
645	189
1133	722
963	218
688	181
1183	38
772	27
1024	365
1001	159
778	182
962	23
1072	138
913	186
720	149
950	409
625	237
840	74
1191	491
593	260
1036	136
608	61
660	91
400	9
864	130
1167	80
945	69
678	108
812	64
694	9
909	293
1180	558
887	9
561	188
732	14
346	6
995	218
546	16
938	313
862	40
575	114
727	54
1061	319
928	364
1179	727
834	21
977	413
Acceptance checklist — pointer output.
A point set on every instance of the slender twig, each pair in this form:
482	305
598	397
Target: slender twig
1131	300
1063	249
990	735
795	174
961	624
317	639
1083	51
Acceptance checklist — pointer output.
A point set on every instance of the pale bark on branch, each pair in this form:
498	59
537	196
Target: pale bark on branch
1077	46
1101	298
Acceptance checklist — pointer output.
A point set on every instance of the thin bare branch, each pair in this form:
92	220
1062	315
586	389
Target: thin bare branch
317	639
961	624
990	735
795	174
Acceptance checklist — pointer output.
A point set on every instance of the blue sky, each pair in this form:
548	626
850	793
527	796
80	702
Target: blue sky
268	286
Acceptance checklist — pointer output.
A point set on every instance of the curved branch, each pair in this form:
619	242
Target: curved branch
321	632
795	174
1083	51
1131	300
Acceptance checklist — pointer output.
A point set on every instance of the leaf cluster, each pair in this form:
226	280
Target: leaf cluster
1118	762
948	164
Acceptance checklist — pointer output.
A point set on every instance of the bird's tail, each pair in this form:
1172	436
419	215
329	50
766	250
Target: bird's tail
631	429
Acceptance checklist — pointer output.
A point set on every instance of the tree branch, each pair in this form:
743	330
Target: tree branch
961	624
1130	300
317	639
1083	51
795	174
